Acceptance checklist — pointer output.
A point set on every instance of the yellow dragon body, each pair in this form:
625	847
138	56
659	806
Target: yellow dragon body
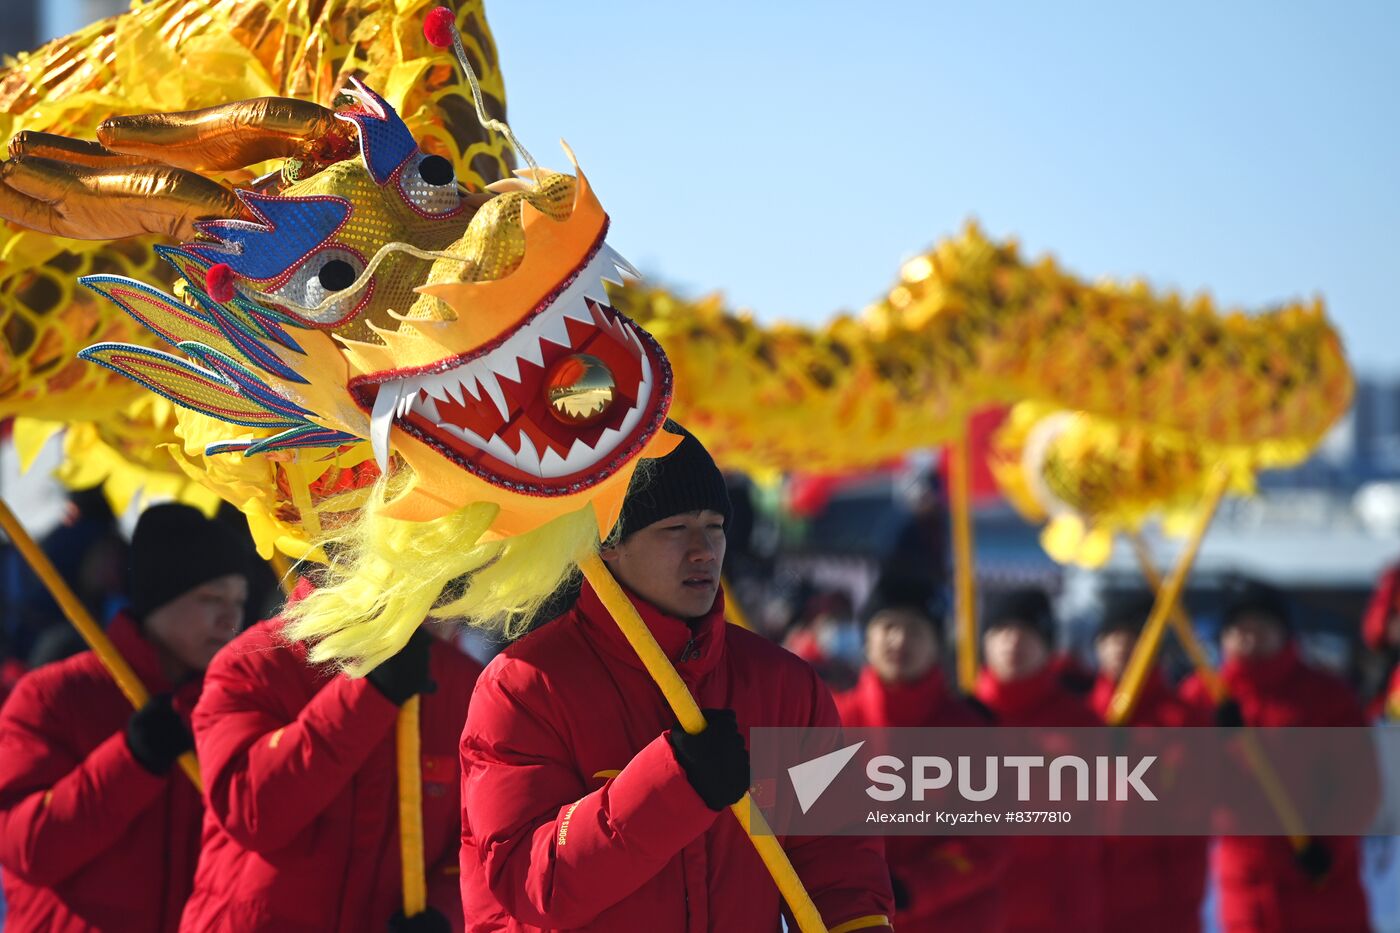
1170	386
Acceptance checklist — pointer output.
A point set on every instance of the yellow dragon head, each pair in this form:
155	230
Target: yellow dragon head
361	296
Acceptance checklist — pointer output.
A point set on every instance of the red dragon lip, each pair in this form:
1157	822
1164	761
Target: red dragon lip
492	415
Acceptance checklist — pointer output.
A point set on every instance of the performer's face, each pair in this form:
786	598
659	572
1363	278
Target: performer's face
900	645
1253	636
1112	650
191	628
1014	652
673	564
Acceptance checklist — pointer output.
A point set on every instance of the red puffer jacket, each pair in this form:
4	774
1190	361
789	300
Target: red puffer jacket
1153	884
1262	890
89	839
1052	882
952	881
300	772
577	815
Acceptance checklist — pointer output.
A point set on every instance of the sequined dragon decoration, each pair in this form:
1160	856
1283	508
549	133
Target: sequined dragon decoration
361	293
116	433
1125	400
1170	385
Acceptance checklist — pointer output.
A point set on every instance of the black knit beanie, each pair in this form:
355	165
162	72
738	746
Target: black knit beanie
176	549
895	591
1027	607
1124	614
1244	596
685	480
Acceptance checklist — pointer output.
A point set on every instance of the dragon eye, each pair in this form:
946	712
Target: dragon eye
430	185
436	170
327	273
336	275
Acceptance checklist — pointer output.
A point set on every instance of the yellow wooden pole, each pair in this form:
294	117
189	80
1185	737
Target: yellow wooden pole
964	583
733	610
804	911
415	885
1181	624
1144	656
96	639
1215	685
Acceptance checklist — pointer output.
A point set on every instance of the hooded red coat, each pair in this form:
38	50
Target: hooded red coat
1153	884
300	772
1051	882
89	839
953	882
577	815
1262	890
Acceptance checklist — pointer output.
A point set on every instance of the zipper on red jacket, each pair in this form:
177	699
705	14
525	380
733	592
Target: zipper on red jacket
691	651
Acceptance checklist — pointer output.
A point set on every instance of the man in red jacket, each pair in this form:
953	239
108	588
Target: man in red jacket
1265	886
98	830
1150	884
1051	883
940	882
586	807
301	830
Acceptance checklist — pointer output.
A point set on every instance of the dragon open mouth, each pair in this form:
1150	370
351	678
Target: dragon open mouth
560	404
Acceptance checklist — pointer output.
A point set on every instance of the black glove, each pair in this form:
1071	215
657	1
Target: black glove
429	921
1314	860
715	762
406	673
901	893
1228	715
157	735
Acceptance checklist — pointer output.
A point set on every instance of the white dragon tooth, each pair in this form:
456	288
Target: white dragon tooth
465	378
551	464
427	407
612	274
595	289
528	459
466	434
493	389
608	440
578	310
555	329
505	362
530	349
436	386
382	419
499	449
452	384
514	347
620	262
581	456
629	422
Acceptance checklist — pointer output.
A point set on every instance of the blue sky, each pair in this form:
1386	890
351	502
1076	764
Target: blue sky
792	155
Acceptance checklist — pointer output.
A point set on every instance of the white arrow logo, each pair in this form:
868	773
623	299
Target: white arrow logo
811	778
